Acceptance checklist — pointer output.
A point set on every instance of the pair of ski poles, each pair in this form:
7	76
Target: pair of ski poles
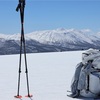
21	7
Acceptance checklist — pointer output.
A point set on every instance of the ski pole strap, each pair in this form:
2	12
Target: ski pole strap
21	4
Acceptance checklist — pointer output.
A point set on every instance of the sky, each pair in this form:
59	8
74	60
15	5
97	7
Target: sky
50	14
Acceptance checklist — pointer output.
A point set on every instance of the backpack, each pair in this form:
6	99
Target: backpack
86	80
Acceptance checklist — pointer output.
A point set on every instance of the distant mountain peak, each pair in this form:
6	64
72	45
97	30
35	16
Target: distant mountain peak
60	39
60	29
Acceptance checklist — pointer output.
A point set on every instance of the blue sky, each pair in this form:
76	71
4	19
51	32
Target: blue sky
50	14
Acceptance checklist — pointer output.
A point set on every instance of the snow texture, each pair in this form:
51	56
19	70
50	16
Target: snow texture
50	75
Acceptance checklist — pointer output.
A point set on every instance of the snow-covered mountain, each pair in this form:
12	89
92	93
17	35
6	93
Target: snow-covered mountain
51	40
59	35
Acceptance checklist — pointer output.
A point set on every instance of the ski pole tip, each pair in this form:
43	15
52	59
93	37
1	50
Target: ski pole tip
29	95
18	96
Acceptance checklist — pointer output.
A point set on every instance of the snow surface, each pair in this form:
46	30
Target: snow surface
50	75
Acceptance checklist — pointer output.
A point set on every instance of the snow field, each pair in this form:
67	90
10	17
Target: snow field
50	75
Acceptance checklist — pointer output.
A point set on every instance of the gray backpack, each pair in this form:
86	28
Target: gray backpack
86	80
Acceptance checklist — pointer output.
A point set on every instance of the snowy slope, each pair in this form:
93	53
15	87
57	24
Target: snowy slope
50	75
60	35
11	36
57	35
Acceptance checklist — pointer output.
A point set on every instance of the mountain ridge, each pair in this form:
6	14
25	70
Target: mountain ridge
51	40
